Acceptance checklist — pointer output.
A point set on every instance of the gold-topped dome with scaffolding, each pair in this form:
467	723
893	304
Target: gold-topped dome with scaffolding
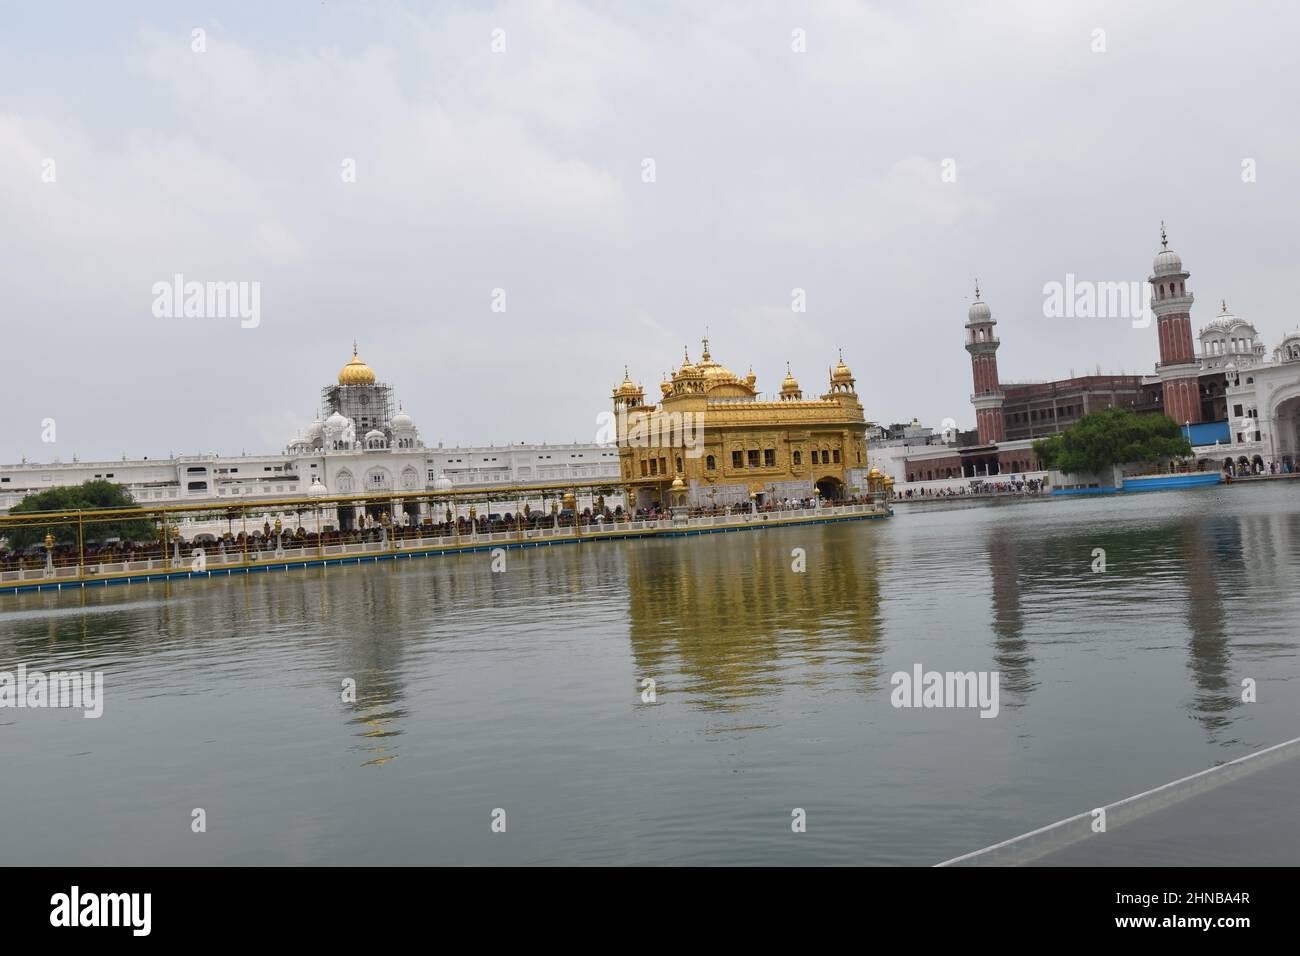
356	372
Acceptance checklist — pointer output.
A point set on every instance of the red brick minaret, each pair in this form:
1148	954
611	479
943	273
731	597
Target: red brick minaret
982	345
1179	370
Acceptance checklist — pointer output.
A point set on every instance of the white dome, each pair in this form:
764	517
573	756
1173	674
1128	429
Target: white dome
317	489
443	483
1167	262
402	420
337	422
979	312
315	430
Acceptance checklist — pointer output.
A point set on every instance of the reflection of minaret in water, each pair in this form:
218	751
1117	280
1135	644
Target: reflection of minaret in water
1209	660
1010	649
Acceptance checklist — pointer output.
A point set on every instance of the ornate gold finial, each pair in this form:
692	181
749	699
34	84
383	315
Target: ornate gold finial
49	540
354	348
705	342
1164	240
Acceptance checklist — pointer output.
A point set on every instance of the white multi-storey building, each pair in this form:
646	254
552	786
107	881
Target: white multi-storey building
357	445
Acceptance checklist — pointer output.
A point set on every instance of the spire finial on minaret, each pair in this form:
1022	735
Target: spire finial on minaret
1224	304
977	289
1164	240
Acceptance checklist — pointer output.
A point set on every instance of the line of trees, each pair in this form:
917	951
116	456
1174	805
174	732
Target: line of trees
87	496
1114	436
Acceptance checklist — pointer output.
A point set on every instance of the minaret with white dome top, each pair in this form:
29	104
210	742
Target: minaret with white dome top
1179	369
982	345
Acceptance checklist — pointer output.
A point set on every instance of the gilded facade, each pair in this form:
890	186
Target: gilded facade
712	440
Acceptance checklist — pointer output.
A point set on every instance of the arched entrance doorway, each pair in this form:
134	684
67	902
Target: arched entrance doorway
830	487
1286	427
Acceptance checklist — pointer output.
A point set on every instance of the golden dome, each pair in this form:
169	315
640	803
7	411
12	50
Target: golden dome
356	372
687	370
678	484
841	375
666	387
627	389
874	472
790	384
714	374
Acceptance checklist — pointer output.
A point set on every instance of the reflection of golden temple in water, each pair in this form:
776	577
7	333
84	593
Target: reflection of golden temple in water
728	613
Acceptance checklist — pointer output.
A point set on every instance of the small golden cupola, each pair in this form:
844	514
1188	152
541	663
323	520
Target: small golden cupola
842	379
628	393
666	386
356	372
790	390
689	378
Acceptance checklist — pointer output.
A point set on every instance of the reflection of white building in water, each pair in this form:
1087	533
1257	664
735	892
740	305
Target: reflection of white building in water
357	445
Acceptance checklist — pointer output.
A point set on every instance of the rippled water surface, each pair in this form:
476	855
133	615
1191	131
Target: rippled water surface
522	691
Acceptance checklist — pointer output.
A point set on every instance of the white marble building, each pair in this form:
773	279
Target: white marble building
1261	391
356	445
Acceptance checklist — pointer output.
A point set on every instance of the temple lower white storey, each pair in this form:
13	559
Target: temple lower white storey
357	445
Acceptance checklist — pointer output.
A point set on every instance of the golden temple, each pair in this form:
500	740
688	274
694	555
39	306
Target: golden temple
713	440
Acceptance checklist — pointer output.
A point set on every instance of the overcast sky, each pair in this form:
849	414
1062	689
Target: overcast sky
522	170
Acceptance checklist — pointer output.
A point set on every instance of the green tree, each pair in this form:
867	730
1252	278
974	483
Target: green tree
88	496
1115	436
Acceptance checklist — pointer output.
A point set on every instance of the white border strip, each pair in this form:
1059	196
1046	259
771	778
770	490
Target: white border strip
1055	836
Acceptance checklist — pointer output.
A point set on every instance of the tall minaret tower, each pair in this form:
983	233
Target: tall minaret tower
1179	370
982	345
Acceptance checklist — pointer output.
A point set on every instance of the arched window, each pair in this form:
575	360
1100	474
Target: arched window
711	464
